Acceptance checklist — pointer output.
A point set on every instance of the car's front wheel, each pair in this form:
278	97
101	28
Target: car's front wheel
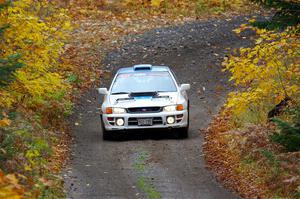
182	133
106	135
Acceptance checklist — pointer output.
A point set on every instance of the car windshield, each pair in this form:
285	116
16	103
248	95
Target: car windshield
140	82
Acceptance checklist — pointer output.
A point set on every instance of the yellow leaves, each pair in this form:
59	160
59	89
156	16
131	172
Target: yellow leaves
237	30
259	40
241	28
156	3
267	72
9	187
279	98
5	122
37	31
261	31
136	3
31	156
252	20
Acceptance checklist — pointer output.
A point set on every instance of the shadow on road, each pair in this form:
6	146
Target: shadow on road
159	134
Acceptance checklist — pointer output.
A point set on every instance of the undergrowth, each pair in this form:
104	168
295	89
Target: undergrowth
253	145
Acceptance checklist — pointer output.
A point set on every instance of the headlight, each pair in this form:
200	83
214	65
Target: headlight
178	107
170	108
119	110
110	110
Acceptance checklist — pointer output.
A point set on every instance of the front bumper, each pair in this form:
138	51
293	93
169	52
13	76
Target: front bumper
159	120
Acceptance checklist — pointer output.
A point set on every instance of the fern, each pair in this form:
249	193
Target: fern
289	135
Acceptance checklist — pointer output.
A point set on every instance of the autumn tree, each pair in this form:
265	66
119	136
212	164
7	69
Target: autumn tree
33	92
267	73
33	33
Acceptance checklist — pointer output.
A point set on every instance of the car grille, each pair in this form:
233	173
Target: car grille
133	121
155	109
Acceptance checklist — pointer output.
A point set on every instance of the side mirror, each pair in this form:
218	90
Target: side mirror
185	87
102	91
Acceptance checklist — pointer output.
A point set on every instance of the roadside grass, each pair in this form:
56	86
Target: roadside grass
252	115
148	188
248	161
29	152
140	161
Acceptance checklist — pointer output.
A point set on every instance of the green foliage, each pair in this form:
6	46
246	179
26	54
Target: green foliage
34	93
8	65
3	28
7	146
73	78
4	4
289	134
287	13
20	142
270	157
200	7
7	68
25	151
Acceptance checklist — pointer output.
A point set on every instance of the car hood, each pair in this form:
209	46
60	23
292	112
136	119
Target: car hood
167	98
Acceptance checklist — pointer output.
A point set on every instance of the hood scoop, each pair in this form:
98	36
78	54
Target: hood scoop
146	95
142	96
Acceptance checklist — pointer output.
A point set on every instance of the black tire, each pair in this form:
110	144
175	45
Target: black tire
182	133
106	135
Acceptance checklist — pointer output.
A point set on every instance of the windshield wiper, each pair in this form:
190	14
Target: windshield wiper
120	93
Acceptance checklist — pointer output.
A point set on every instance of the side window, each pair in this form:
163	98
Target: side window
176	79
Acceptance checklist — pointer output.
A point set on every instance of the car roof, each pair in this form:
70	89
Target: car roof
152	69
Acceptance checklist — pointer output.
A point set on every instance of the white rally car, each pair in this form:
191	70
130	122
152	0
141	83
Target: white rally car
145	97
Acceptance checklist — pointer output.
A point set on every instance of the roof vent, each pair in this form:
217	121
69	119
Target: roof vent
142	67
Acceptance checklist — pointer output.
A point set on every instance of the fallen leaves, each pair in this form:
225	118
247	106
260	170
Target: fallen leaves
248	162
100	30
225	160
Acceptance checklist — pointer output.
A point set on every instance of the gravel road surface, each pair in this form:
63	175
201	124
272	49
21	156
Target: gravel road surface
153	164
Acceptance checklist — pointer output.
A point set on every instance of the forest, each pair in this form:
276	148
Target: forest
50	54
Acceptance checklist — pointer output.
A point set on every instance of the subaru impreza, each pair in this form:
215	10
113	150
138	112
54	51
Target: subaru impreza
145	97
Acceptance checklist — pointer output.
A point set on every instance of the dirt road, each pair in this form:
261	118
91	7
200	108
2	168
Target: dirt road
153	164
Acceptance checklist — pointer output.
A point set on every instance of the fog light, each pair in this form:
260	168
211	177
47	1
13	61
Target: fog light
170	120
120	122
